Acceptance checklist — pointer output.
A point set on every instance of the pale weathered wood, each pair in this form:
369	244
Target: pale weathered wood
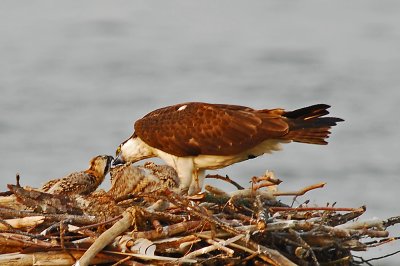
25	222
50	258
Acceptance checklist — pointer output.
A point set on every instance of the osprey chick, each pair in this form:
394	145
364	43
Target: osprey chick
83	182
193	137
129	179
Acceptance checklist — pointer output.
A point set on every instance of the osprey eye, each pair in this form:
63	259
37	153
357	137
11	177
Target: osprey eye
118	151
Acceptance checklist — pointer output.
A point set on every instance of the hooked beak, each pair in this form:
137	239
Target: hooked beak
118	160
109	161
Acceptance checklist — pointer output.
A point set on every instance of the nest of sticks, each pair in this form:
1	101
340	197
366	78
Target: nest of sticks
259	225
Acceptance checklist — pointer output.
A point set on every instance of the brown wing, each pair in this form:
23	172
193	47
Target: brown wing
190	129
74	183
49	184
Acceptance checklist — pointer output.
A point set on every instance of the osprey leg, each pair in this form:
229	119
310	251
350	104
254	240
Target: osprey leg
197	182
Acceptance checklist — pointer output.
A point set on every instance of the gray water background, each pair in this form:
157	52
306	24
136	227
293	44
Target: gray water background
74	76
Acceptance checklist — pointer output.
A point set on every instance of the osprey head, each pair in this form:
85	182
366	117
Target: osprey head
101	164
132	150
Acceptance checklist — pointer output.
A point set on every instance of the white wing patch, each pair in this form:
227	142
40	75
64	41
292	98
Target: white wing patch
183	107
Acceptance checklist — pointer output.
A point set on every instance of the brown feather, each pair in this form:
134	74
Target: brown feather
213	129
82	182
190	129
307	125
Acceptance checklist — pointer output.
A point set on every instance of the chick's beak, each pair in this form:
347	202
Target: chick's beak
109	161
118	160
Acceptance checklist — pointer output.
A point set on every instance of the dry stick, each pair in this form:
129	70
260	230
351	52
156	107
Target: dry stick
125	260
302	209
153	257
97	224
243	248
269	255
221	246
348	216
81	219
17	179
52	227
384	256
362	224
213	247
176	244
375	243
299	192
269	177
167	231
226	179
303	244
391	221
216	191
22	222
6	224
15	240
108	236
83	232
49	258
258	182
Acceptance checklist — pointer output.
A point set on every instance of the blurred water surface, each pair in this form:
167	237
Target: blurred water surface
74	76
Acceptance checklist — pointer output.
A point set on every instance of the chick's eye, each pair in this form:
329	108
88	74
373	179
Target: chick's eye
118	151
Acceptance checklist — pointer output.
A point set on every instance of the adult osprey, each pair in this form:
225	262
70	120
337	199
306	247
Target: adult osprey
193	137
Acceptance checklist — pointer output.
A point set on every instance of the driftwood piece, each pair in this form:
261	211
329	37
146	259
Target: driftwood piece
19	223
107	237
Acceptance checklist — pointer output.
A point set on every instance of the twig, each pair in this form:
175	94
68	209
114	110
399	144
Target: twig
391	221
216	191
304	245
167	231
22	241
151	257
382	241
362	224
22	222
49	258
176	244
97	224
17	180
303	209
226	179
384	256
299	192
123	261
221	246
6	224
269	255
267	180
208	249
81	219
